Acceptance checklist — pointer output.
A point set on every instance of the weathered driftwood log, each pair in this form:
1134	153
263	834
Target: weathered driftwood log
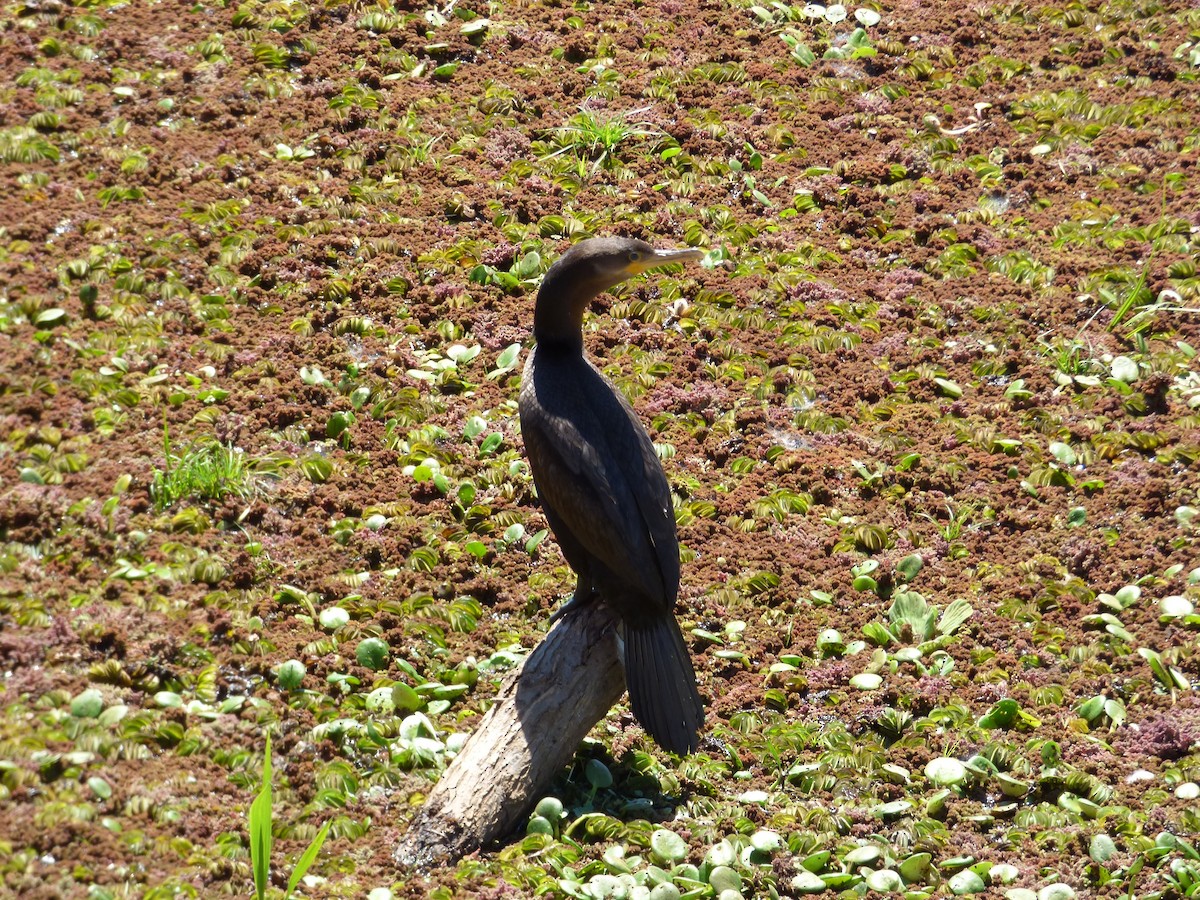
542	713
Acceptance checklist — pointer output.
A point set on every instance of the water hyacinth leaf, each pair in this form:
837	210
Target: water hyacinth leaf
866	681
668	846
966	882
909	567
865	583
338	423
100	787
614	858
1091	708
1128	595
1003	873
1175	607
1170	677
466	494
829	642
885	881
916	868
766	841
549	808
87	704
1001	715
508	358
1124	369
1062	452
290	674
1056	891
957	863
462	353
372	653
862	856
949	388
404	698
892	809
598	774
536	540
805	882
529	266
946	771
475	426
725	878
333	617
936	804
1101	848
381	700
720	854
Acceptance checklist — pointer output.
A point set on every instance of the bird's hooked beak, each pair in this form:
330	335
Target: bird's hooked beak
663	258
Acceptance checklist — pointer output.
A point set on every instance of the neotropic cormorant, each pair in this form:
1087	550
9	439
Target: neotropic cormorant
603	489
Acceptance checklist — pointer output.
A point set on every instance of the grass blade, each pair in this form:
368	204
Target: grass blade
260	829
306	858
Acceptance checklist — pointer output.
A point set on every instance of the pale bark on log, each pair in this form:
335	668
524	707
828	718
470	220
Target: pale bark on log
542	713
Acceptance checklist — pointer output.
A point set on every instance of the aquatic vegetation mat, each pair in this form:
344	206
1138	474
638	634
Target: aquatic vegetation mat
929	410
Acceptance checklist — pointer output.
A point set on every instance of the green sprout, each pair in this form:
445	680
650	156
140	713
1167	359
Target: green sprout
207	471
260	837
596	138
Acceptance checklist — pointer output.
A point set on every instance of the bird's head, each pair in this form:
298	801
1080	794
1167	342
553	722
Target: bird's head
588	269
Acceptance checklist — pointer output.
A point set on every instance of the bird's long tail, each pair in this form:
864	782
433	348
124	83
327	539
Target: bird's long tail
662	683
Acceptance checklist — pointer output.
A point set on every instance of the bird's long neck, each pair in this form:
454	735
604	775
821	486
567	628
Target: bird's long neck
558	313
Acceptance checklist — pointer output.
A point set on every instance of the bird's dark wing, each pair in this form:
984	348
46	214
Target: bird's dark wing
596	471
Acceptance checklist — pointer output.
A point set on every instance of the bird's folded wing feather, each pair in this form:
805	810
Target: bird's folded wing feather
586	468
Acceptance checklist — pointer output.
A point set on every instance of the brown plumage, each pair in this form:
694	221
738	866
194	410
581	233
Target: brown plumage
603	489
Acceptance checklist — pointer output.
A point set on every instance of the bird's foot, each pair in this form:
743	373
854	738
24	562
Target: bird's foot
578	601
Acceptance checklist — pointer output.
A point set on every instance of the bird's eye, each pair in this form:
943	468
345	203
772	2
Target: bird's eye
635	255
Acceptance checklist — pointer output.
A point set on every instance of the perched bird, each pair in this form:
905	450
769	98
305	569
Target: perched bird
603	489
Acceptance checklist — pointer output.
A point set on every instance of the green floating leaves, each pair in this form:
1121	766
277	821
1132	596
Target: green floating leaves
87	704
290	674
1168	676
954	615
668	846
372	653
1008	714
333	617
909	567
946	771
